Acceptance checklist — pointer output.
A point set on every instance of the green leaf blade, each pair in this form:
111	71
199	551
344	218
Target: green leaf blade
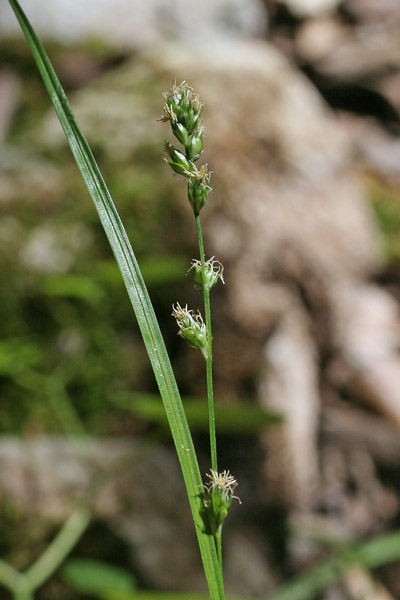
96	578
138	294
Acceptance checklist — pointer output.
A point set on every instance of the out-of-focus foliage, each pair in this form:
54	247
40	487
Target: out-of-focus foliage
109	583
385	200
98	579
66	327
231	419
70	352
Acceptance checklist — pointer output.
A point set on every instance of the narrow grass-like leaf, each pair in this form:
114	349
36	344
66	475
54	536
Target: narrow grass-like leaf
138	295
57	551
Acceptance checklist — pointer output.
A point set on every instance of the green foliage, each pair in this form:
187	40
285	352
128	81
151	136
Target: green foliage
139	297
23	584
154	595
17	355
231	419
69	335
63	313
66	305
370	554
98	579
386	203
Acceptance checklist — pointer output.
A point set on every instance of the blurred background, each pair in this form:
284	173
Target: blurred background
303	138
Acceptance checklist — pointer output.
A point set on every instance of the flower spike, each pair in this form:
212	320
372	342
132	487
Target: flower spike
213	270
191	328
183	109
220	493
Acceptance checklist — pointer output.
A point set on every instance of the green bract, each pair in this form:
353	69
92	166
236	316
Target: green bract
198	190
194	148
180	132
178	163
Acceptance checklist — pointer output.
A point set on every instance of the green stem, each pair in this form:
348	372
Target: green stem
210	395
22	591
23	585
8	575
15	581
59	548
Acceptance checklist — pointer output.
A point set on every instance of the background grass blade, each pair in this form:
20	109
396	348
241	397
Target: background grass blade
231	418
139	297
371	554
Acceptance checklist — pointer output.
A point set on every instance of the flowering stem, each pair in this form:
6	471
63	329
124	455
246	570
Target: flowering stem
207	312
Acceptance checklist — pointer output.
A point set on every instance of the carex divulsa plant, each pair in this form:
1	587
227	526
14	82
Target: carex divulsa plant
208	502
183	110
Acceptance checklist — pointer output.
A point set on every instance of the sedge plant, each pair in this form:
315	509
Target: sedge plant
210	500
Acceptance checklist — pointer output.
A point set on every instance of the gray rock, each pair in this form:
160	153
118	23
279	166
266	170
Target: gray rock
135	24
310	8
